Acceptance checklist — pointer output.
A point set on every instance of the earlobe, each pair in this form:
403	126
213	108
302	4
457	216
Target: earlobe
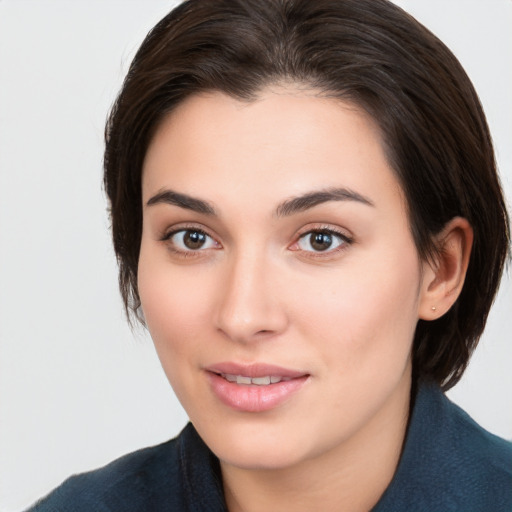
443	278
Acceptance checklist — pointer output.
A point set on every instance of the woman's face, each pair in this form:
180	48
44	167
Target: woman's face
278	275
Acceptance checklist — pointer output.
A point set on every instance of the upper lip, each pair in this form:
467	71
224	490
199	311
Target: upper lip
254	370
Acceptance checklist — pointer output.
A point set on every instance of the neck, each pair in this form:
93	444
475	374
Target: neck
352	476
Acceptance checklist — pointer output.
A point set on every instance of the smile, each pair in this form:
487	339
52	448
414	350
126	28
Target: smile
254	388
257	381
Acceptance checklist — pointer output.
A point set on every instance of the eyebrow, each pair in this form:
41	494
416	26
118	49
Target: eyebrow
286	208
311	199
183	201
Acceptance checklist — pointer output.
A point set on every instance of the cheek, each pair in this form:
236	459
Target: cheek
173	306
174	312
365	313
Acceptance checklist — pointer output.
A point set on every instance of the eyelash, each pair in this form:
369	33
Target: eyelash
190	253
344	241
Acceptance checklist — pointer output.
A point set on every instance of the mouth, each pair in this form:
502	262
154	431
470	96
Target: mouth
256	381
256	387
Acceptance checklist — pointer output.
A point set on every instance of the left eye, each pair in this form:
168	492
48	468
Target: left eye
191	240
320	241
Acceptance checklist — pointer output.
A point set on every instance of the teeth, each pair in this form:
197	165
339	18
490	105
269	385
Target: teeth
261	381
257	381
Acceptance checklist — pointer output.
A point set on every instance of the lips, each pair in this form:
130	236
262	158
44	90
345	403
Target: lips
255	387
257	381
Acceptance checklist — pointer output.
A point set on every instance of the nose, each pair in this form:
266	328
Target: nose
249	307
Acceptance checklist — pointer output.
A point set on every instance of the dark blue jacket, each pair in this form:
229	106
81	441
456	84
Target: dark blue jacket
448	464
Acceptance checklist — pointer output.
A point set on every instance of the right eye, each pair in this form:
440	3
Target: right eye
191	240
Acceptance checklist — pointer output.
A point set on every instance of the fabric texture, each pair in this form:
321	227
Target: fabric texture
448	464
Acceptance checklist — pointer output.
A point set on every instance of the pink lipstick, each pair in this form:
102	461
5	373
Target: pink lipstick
255	387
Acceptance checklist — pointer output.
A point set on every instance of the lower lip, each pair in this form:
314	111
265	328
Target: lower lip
253	398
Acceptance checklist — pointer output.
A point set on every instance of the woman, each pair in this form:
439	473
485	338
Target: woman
307	217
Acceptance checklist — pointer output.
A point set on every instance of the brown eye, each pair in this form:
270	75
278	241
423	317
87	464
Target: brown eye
186	240
321	241
194	239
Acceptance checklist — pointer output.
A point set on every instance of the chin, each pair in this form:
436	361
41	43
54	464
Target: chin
257	444
256	457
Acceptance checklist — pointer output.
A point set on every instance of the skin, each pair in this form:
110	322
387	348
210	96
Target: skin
258	291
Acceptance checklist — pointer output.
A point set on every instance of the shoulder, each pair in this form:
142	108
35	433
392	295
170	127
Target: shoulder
140	481
480	463
482	455
449	462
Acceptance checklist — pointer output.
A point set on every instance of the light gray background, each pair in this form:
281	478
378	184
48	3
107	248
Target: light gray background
77	389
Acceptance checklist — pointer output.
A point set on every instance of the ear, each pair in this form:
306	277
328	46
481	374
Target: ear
443	278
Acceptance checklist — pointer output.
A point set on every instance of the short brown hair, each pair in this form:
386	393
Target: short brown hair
369	52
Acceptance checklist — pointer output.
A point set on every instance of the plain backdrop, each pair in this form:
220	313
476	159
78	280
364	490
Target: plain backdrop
77	388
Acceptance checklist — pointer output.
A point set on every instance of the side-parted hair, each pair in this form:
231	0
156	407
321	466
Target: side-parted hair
368	52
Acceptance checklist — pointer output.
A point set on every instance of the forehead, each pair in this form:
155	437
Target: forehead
284	142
